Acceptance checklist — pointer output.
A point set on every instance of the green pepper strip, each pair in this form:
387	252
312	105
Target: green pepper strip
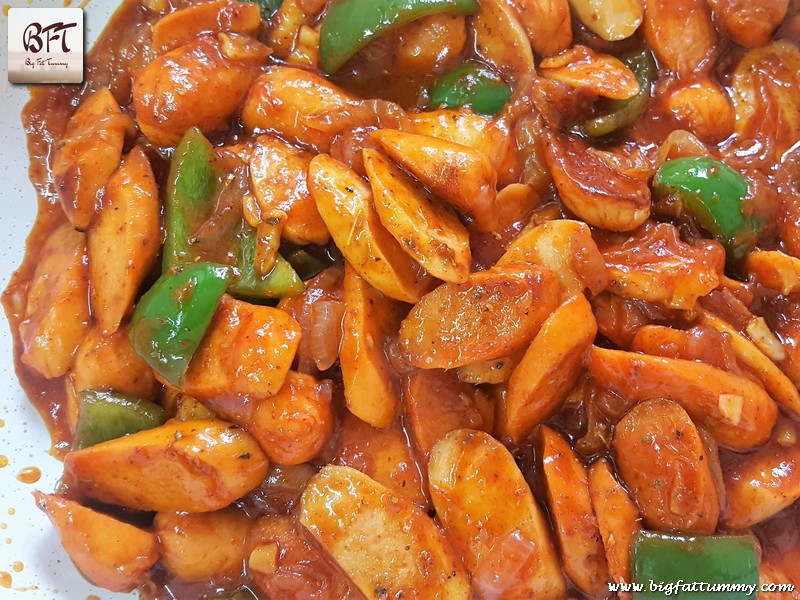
268	7
306	265
669	559
713	193
191	200
473	85
190	196
281	281
349	25
171	318
104	416
624	113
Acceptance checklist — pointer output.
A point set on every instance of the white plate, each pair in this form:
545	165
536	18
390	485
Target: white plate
26	536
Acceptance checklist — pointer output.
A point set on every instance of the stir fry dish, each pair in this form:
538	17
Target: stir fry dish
436	299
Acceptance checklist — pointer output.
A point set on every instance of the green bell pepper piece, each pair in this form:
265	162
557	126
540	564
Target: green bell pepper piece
171	318
191	201
281	281
268	7
306	265
104	416
349	25
624	113
473	85
190	196
669	565
713	193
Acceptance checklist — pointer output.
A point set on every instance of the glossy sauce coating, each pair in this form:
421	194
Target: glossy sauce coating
664	462
526	220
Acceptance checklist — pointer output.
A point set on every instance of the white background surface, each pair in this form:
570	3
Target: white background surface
26	535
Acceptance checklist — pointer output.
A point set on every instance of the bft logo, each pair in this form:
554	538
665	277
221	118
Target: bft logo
32	38
45	45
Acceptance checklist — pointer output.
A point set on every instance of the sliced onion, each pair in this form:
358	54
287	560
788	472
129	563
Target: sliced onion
325	287
510	562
